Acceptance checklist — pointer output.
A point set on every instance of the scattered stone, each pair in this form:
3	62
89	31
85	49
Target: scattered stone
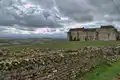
48	64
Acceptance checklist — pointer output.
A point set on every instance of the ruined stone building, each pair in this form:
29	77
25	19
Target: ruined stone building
104	33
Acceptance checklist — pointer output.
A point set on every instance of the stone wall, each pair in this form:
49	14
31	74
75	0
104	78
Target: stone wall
82	35
103	34
113	36
47	64
74	35
91	35
107	34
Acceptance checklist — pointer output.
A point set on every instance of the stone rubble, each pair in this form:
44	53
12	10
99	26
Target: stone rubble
48	64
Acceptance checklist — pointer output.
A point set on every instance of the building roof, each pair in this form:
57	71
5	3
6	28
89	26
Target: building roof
91	29
76	29
83	29
107	26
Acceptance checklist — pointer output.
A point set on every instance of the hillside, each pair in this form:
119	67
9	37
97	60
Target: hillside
60	60
63	44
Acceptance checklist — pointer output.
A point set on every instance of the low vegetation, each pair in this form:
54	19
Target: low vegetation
104	72
96	60
68	45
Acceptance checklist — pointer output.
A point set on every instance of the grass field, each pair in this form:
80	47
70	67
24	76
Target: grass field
104	72
67	44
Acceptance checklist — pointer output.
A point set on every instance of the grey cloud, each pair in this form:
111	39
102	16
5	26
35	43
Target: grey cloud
48	13
105	7
32	17
44	3
24	28
89	10
75	10
2	29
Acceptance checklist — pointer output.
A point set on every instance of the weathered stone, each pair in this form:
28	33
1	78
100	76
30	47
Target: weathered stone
55	64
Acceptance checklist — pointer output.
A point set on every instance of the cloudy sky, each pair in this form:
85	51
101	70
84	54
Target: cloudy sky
46	17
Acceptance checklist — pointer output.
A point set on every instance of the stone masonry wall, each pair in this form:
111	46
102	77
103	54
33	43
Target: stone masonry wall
47	64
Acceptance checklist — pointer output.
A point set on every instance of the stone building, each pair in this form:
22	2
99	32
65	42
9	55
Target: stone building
104	33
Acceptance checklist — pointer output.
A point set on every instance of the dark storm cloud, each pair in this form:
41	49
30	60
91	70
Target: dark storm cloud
48	13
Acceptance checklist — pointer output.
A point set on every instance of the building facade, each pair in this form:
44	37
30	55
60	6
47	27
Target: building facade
104	33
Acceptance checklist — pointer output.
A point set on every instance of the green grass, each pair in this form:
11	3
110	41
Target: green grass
104	72
4	41
67	44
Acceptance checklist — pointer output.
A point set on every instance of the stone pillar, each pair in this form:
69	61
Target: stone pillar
77	35
69	36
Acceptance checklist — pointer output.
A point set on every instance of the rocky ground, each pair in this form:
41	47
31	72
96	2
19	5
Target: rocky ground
117	77
49	64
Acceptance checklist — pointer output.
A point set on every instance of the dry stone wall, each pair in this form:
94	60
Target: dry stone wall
48	64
